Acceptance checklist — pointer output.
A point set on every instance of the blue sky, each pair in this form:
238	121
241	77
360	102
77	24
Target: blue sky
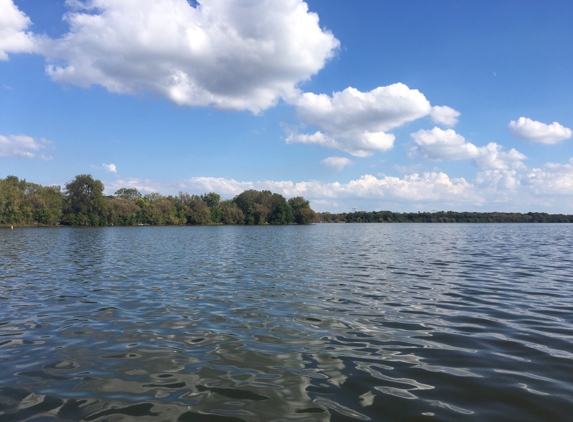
407	106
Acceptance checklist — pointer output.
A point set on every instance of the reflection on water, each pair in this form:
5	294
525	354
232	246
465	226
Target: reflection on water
315	323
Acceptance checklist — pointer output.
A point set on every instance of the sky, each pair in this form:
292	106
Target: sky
417	105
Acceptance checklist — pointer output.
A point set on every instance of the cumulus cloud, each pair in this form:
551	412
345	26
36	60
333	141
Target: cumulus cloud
523	189
23	146
499	180
244	54
357	122
112	168
361	145
447	145
428	186
439	145
336	163
553	178
445	115
531	130
493	157
13	35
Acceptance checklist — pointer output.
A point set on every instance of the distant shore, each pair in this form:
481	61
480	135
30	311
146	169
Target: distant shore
82	203
380	217
442	217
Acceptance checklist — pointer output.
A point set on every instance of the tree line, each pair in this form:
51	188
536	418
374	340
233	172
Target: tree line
442	217
82	203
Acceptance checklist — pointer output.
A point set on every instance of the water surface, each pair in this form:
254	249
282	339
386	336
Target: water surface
332	322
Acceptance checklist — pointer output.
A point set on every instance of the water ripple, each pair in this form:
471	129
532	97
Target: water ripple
328	322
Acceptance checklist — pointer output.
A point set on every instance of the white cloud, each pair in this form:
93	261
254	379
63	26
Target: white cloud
243	54
360	144
357	122
500	180
531	130
23	146
553	178
112	168
492	157
13	23
336	163
548	188
445	115
447	145
428	186
432	186
438	145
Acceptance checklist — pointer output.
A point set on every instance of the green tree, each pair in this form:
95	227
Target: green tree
153	197
124	212
44	202
195	208
231	214
128	193
197	211
303	214
11	200
84	201
213	201
161	212
298	202
281	211
255	205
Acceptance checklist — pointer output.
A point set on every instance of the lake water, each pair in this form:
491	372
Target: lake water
331	322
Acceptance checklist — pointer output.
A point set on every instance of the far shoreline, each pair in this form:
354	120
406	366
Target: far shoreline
82	203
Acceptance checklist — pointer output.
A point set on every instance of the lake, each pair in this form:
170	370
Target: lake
328	322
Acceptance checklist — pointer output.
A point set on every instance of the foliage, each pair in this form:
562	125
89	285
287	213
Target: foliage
82	203
442	217
24	203
303	214
231	214
264	207
128	193
213	202
124	212
196	210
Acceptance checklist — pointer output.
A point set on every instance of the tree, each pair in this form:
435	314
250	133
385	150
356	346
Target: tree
84	204
153	197
255	205
231	214
161	212
123	212
213	200
195	209
281	211
246	201
298	202
11	199
128	193
303	214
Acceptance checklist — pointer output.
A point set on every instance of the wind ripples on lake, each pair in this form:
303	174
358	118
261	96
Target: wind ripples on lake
381	322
